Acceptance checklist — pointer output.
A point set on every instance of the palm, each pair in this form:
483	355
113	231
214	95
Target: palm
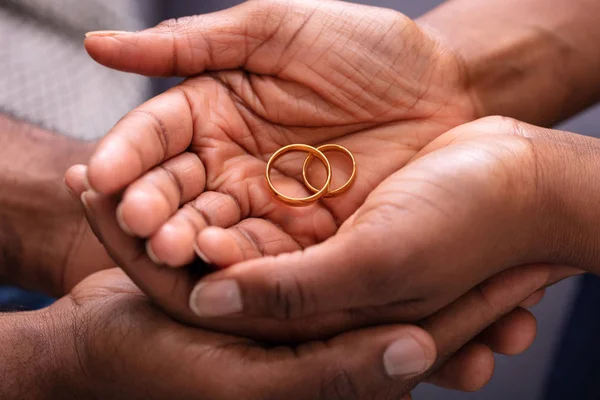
310	72
353	84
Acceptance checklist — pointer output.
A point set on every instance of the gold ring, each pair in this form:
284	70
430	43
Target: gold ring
301	201
325	148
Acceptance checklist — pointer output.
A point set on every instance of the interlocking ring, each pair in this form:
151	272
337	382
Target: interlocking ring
299	201
325	148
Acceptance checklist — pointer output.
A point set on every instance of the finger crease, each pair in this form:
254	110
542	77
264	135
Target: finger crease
175	179
252	239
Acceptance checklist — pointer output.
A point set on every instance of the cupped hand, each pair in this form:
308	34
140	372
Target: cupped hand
465	360
272	73
475	202
118	345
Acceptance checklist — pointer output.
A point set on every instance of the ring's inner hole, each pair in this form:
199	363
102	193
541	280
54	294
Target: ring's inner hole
290	164
341	170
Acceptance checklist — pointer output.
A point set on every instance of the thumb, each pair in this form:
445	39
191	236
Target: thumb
232	38
348	270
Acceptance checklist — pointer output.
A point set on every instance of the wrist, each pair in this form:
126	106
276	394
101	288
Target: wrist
568	198
37	361
534	61
38	219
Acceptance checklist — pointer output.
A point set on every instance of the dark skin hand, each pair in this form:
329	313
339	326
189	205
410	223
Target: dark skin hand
193	158
153	199
214	148
450	329
483	198
469	369
283	72
45	241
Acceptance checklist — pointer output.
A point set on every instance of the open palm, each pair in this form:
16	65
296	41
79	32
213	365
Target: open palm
281	73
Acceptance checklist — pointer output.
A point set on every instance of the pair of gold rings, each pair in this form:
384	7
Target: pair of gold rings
312	154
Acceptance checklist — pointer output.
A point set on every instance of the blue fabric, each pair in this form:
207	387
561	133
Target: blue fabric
13	299
576	370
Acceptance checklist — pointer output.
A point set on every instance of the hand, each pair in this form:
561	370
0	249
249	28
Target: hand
106	340
285	72
204	144
477	201
468	369
119	346
45	241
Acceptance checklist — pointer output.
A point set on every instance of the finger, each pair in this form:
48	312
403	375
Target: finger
75	180
166	287
251	238
457	324
534	299
223	40
170	288
492	300
301	283
512	334
469	370
151	200
144	138
477	310
174	242
369	363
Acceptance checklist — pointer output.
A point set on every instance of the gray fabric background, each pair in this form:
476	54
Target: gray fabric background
47	78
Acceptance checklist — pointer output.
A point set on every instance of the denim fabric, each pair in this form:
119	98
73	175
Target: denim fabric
14	299
576	368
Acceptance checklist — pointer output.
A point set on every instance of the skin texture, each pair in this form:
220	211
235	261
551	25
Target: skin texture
279	79
493	293
340	119
535	60
75	333
45	242
234	123
97	343
255	99
495	187
196	176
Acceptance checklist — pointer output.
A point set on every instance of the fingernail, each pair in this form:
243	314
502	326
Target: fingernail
151	254
106	33
214	299
122	223
405	357
201	254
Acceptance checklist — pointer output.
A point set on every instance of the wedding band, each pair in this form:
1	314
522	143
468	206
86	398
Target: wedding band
299	201
325	148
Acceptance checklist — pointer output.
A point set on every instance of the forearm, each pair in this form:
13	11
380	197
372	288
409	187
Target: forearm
566	176
36	213
576	197
534	60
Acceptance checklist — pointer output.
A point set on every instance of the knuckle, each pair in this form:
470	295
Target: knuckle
157	126
173	25
500	123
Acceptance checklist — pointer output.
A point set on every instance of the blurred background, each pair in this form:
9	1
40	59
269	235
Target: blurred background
46	78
